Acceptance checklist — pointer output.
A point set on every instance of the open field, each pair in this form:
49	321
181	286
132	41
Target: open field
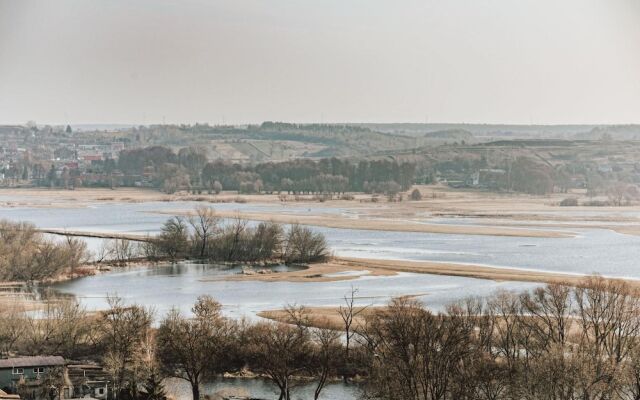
84	196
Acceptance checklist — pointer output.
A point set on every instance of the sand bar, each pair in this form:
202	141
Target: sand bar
388	224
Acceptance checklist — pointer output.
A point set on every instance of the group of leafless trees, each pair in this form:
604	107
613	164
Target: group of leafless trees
29	255
556	342
120	338
195	348
204	235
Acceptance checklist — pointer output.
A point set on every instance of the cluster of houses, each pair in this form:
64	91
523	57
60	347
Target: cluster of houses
30	154
51	378
489	178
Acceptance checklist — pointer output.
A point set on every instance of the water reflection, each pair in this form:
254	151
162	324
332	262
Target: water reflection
262	389
179	285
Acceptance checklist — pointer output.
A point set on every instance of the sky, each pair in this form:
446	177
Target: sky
243	61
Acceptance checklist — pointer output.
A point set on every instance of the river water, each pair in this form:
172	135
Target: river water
166	286
592	250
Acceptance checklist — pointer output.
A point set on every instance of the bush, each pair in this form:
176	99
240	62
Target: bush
596	203
416	195
27	255
174	239
569	202
304	246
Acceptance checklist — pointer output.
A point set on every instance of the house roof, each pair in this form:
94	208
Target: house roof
38	361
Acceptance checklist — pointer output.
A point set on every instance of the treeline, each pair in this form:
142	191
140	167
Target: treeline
307	176
194	348
521	174
555	342
29	255
189	169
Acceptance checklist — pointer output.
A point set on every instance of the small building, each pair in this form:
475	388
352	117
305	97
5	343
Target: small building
26	370
88	381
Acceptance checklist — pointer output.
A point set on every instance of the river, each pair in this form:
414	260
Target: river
178	285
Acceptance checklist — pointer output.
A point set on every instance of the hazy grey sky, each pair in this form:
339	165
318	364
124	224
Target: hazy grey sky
512	61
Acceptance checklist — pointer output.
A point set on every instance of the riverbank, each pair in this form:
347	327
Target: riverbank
342	222
342	268
479	212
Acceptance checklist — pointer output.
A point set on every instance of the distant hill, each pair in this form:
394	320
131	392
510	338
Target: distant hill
101	127
614	132
449	136
483	132
277	140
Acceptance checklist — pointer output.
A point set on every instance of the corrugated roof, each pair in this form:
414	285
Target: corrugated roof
37	361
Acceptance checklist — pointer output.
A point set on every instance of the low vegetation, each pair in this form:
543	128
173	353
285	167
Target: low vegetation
29	255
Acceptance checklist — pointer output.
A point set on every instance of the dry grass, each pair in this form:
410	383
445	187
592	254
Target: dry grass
321	317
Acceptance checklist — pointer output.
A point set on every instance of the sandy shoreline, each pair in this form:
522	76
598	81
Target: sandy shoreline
462	270
493	214
331	271
389	224
343	268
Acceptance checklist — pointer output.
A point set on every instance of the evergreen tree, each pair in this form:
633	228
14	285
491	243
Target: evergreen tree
154	388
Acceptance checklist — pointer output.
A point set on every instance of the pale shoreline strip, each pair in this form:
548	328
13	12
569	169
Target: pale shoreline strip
383	224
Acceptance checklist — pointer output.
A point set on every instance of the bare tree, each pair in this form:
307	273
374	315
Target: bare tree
77	253
325	354
104	252
13	324
194	348
205	225
123	250
280	351
60	328
123	331
348	312
230	242
27	255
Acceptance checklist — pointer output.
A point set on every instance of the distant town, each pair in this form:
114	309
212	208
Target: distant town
326	159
